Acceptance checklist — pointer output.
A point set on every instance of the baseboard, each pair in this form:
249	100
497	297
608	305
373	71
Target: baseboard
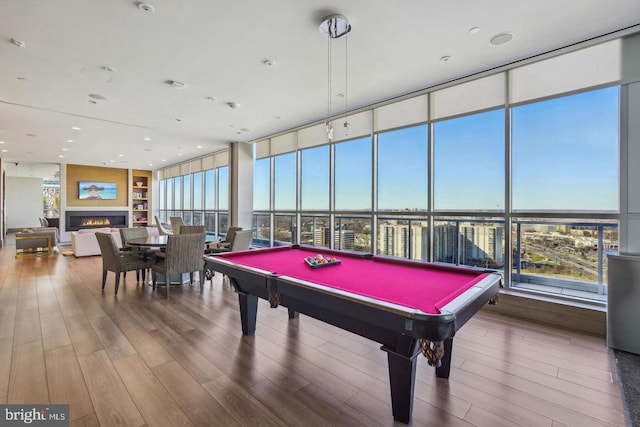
592	320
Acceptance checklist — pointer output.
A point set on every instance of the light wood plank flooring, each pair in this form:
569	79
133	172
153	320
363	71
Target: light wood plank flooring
140	359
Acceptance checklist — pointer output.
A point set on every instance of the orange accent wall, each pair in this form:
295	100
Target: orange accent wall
77	173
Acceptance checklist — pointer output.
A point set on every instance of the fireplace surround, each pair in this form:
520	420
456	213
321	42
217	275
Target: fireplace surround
75	220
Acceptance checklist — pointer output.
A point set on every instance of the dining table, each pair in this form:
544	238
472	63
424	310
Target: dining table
160	242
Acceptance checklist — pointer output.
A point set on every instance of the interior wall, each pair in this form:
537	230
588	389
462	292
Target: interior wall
2	212
77	173
630	148
24	202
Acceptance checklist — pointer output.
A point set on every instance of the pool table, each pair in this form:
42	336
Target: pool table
407	306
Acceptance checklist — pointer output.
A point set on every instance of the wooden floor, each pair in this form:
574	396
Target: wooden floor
138	359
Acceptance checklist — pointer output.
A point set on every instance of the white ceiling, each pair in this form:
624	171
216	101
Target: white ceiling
218	49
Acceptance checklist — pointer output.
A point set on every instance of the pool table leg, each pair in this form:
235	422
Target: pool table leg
443	370
402	377
248	312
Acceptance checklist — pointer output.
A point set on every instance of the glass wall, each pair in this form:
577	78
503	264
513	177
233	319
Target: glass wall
199	198
483	174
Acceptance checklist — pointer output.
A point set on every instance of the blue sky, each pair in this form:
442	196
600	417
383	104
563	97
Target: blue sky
564	157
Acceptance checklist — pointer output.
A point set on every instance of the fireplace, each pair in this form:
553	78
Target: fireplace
75	220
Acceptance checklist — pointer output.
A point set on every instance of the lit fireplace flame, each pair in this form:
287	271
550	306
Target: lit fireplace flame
96	221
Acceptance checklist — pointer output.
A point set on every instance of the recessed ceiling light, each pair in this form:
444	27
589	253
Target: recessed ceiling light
30	134
233	105
198	146
120	155
244	130
269	62
501	38
445	58
146	7
76	128
111	161
4	150
179	154
2	142
60	156
211	98
147	149
163	160
474	30
18	43
69	140
96	96
109	69
21	78
178	120
175	84
146	138
65	149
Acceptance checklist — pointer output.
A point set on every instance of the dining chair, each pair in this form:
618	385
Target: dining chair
225	245
119	262
127	234
163	228
183	255
241	242
192	229
176	222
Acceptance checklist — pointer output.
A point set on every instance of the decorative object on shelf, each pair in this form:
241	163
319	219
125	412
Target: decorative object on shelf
140	194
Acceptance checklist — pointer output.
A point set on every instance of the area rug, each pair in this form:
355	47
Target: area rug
629	373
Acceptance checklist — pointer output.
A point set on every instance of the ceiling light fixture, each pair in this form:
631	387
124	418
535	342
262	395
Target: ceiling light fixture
445	58
146	7
233	105
75	128
501	38
474	30
335	27
269	62
18	43
175	84
98	97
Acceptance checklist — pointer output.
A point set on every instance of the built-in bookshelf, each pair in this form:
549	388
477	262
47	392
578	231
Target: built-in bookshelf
141	198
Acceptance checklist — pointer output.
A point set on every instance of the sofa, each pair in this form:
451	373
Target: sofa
36	239
84	242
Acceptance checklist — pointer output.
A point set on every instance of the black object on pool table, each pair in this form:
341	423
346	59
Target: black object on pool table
319	261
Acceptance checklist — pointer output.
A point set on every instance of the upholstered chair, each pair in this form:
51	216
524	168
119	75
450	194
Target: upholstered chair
176	222
241	242
225	245
183	255
118	262
192	229
163	229
127	234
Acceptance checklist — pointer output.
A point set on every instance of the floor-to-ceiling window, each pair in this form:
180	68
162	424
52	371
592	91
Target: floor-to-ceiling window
198	192
515	171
